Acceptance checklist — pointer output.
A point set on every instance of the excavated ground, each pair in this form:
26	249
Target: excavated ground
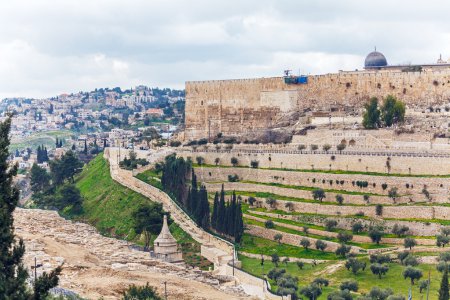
95	266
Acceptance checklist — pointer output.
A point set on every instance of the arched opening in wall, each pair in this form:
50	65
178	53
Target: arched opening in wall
201	103
352	142
344	142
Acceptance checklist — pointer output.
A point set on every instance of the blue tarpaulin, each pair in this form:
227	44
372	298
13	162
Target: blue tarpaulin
296	79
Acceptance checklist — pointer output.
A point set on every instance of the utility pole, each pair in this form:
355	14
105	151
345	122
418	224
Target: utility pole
35	268
165	290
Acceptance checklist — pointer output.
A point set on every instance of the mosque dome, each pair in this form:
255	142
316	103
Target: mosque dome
375	59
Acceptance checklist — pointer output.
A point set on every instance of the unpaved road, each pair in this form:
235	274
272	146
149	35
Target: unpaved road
96	266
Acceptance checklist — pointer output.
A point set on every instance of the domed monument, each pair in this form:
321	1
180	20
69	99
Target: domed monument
375	59
165	245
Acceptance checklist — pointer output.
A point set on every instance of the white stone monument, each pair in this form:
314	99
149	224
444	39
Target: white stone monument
165	245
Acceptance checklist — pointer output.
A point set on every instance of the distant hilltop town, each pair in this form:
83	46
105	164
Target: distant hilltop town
96	111
233	107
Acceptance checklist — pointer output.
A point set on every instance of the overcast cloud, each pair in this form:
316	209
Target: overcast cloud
48	47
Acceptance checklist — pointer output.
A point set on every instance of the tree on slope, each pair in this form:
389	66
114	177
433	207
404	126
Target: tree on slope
13	274
148	220
392	111
443	290
141	293
371	118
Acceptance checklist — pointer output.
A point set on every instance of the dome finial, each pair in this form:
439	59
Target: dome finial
375	48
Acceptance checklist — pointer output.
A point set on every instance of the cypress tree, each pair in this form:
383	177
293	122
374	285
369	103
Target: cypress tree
44	154
188	201
38	155
194	196
203	208
232	215
443	290
13	274
239	229
215	211
221	212
85	147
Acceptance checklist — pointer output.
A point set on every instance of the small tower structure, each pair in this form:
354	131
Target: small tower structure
165	245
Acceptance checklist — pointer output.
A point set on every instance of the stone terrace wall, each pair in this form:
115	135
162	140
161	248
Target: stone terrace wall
415	228
291	239
356	238
237	106
329	197
439	188
344	161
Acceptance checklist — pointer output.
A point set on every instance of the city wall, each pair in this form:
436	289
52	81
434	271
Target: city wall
236	106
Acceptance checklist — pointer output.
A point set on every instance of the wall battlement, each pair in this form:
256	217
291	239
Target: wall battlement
241	105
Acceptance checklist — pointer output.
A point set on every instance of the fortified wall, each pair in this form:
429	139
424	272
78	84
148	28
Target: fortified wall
236	106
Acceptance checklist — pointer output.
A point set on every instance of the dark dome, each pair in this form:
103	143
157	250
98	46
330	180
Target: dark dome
375	59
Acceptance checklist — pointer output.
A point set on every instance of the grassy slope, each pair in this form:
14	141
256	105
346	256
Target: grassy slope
109	207
107	204
41	138
366	280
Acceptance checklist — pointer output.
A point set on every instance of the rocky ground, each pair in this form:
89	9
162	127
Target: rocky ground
95	266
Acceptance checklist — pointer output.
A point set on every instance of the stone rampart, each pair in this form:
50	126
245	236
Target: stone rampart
237	106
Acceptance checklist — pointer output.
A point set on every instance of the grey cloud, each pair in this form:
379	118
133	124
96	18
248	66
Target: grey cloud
52	46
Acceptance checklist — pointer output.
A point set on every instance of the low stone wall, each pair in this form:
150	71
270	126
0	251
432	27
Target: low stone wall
391	211
295	193
438	187
292	239
415	228
356	238
420	163
291	259
246	278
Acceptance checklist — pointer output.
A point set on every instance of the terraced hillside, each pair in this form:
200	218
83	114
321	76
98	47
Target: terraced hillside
306	216
369	212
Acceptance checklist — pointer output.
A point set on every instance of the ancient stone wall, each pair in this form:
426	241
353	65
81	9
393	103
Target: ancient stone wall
236	106
345	161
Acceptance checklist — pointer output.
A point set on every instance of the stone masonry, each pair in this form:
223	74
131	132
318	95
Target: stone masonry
237	106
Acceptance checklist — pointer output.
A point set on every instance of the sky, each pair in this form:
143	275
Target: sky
49	47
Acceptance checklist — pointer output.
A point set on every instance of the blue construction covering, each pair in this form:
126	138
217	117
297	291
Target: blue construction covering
296	79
